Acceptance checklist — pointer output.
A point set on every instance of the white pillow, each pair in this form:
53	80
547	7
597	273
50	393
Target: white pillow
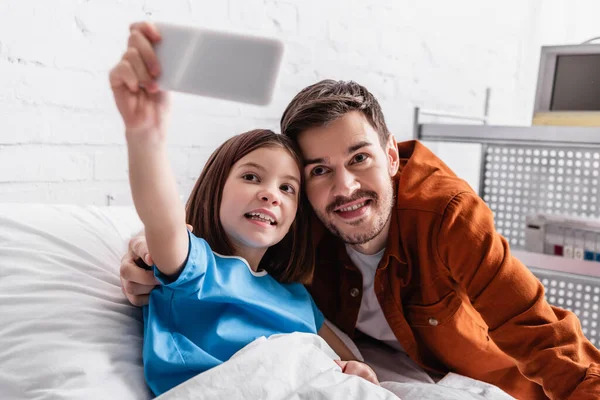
66	329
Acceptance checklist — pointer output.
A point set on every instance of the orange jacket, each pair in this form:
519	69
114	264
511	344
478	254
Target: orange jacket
455	297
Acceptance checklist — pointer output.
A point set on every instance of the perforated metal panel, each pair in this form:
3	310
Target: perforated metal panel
519	180
539	169
577	293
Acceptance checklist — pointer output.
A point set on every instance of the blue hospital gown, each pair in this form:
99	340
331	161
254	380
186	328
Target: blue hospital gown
216	306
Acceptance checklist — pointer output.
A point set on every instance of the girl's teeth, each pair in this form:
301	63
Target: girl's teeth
261	217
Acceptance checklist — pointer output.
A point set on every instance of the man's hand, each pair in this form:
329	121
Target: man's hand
359	369
136	282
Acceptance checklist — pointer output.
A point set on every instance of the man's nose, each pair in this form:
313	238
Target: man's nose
345	183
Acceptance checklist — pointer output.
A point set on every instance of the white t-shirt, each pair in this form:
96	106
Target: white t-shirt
371	320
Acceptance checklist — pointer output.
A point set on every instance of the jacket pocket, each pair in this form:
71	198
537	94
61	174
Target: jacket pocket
451	336
433	315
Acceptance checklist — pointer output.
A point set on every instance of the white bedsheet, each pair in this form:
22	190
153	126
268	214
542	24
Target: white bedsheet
67	332
451	387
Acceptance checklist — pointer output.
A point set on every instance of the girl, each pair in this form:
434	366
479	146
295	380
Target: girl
240	275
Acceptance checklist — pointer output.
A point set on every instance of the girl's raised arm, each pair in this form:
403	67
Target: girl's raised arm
145	111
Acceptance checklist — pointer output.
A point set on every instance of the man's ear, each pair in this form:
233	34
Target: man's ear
391	149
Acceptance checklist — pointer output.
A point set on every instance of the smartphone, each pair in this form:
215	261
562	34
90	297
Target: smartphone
217	64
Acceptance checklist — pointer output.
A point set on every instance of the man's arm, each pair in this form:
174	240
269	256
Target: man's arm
546	342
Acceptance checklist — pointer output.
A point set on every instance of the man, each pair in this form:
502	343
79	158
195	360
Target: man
410	257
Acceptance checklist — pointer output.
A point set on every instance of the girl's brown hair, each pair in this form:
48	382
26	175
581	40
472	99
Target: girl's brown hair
290	260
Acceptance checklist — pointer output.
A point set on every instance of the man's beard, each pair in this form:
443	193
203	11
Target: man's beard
382	208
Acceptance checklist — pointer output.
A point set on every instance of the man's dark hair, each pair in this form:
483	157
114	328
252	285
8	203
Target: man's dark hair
328	100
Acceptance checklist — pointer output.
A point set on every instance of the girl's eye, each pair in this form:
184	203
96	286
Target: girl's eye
250	177
288	189
359	158
318	171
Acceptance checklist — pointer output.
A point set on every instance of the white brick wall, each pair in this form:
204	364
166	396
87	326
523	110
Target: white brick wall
61	139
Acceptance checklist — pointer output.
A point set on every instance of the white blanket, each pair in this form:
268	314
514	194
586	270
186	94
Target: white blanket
294	366
301	366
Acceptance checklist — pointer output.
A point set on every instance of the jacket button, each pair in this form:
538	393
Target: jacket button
433	322
354	292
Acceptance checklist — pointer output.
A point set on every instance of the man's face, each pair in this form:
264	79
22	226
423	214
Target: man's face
349	177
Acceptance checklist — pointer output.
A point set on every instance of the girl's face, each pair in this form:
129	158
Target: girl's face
259	200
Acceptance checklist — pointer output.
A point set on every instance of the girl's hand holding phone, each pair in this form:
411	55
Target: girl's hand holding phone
143	107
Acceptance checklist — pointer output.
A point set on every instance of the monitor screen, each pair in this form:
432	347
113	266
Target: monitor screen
576	83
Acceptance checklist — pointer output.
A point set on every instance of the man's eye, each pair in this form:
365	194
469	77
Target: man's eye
317	171
288	189
250	177
360	158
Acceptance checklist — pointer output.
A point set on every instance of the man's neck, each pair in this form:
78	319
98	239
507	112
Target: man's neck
376	244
